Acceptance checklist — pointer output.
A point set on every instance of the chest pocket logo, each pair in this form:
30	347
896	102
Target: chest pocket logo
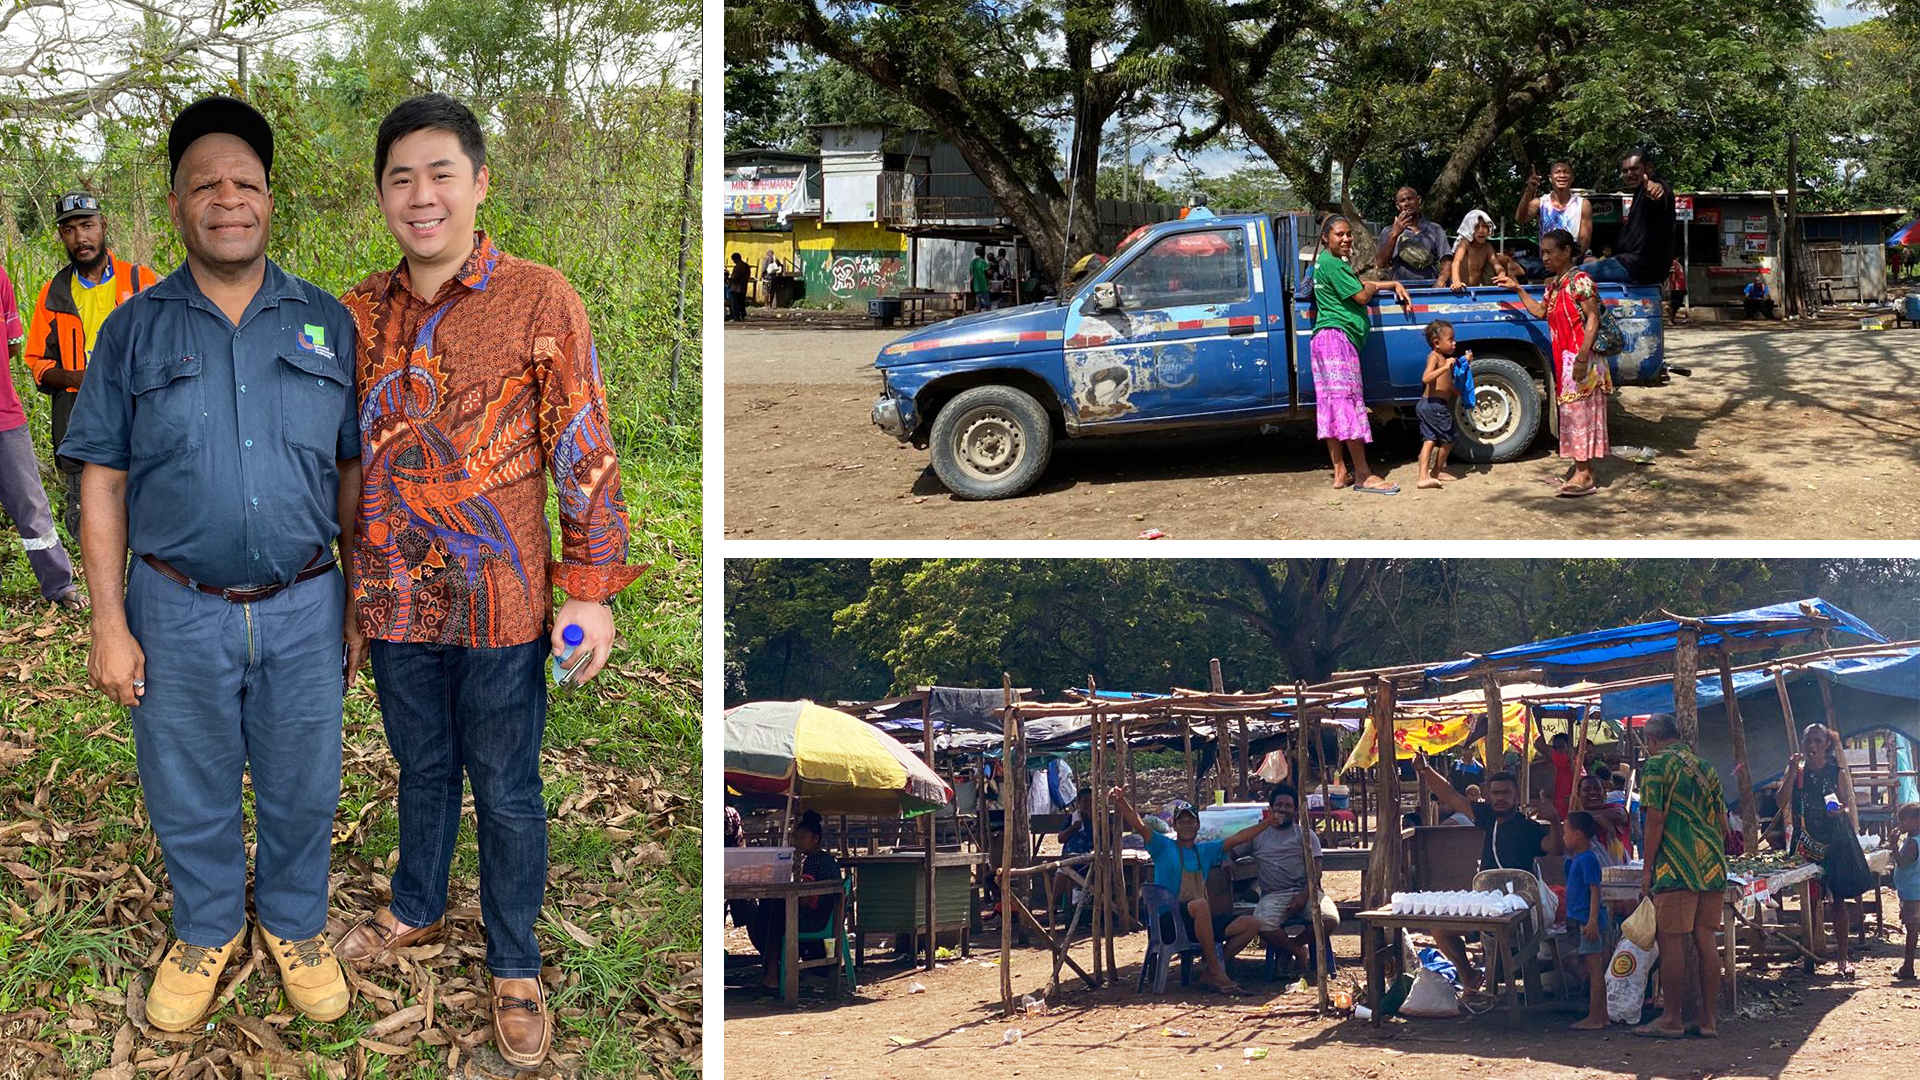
315	398
169	407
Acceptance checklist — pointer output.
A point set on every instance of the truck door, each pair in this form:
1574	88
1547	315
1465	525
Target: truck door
1391	327
1175	330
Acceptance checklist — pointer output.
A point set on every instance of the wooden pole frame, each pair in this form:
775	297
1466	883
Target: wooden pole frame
933	845
1302	727
1686	673
1009	722
1737	728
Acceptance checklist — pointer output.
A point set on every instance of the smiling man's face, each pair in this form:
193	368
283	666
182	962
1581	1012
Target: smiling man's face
430	194
220	202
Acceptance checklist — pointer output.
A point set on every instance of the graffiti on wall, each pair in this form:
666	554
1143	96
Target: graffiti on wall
864	273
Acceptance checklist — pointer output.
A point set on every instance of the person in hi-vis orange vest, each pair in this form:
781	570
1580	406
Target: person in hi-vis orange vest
67	317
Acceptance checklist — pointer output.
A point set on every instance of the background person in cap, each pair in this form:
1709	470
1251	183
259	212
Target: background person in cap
217	426
67	318
1182	867
22	495
454	572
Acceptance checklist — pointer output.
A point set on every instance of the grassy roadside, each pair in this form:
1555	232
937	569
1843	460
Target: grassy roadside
86	898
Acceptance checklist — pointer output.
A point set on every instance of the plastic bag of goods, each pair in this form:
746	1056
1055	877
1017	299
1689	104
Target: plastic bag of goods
1432	996
1627	980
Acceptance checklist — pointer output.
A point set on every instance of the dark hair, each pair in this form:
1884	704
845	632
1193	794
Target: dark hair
1559	238
1907	808
423	112
1434	328
810	821
1558	163
1585	822
1559	737
1283	789
1503	775
1620	781
1406	187
1645	155
1327	225
979	249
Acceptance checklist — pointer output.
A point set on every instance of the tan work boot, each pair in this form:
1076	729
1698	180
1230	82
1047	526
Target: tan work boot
522	1030
184	984
373	939
312	977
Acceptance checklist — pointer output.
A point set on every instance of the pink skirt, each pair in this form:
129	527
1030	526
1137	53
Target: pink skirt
1583	427
1340	406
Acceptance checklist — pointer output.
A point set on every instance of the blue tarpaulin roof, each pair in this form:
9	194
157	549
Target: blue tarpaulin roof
1653	640
1894	676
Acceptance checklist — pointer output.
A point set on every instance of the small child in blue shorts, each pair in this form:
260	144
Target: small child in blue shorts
1434	410
1585	911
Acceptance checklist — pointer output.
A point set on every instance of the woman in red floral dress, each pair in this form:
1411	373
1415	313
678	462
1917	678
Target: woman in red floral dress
1582	381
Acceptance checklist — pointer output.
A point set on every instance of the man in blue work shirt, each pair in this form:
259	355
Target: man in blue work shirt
221	450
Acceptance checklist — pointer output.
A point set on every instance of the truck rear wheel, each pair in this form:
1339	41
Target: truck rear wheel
991	442
1506	413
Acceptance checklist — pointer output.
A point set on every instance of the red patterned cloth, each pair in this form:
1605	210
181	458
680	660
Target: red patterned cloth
1583	405
467	404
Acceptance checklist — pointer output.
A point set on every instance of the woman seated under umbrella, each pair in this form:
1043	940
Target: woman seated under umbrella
768	930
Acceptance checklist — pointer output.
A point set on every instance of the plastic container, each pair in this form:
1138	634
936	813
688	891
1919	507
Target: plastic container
1339	797
759	865
572	635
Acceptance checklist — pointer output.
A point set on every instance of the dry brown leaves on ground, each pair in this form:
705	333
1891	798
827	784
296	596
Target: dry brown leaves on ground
426	1014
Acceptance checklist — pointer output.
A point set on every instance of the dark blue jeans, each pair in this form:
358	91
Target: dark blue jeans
233	687
450	709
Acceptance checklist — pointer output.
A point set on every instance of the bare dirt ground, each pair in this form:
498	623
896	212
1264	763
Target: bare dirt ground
1792	1025
1782	433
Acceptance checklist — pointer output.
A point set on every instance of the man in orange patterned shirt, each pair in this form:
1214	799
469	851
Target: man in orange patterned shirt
477	380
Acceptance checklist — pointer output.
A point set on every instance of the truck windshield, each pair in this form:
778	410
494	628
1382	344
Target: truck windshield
1188	268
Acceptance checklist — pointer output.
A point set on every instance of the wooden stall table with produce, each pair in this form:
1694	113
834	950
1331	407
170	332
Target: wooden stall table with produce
892	895
1512	946
791	893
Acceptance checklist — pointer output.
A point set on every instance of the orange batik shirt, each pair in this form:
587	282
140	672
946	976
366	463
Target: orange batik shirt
468	402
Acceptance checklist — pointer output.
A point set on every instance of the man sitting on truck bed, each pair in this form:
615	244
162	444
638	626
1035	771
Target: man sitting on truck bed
1412	248
1645	248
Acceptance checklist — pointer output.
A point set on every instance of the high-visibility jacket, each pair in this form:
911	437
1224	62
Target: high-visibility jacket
58	339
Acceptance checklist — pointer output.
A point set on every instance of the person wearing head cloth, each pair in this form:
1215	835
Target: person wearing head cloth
480	395
221	451
67	317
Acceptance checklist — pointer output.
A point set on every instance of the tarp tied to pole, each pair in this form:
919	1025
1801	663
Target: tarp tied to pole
1897	675
1656	640
1435	731
835	763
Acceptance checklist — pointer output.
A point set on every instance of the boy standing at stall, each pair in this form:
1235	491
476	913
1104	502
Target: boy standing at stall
1906	882
1435	408
1586	915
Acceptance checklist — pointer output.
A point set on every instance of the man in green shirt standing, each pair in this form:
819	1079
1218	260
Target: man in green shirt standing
1686	875
978	272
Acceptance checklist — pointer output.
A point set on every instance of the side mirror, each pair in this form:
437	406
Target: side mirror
1106	297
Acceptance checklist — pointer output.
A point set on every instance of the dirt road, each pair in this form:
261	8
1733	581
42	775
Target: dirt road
1791	1025
1786	434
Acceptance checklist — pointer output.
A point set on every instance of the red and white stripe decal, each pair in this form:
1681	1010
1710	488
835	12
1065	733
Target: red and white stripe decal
900	348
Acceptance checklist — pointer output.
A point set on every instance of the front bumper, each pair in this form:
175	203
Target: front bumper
894	415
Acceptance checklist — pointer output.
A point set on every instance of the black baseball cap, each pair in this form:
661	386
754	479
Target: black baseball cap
75	204
219	115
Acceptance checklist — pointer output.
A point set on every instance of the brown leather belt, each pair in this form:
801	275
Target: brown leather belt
240	596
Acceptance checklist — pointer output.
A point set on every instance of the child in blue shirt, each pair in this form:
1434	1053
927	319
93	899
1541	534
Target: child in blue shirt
1906	882
1588	914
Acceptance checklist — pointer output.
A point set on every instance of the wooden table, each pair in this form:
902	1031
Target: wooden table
791	892
891	888
1510	952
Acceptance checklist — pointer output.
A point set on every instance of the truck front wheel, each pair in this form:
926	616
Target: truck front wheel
1506	413
991	442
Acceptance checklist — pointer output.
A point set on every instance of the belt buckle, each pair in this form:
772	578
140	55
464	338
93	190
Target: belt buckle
228	595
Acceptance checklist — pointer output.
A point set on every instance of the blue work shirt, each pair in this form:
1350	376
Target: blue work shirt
230	436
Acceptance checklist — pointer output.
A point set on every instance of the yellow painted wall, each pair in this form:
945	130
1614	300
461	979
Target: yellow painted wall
847	263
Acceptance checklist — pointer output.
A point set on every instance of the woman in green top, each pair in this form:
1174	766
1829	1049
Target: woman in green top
1339	327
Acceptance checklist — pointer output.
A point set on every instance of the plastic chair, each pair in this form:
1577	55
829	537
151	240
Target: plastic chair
836	932
1157	901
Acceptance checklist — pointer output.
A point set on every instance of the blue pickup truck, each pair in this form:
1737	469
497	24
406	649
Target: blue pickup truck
1189	327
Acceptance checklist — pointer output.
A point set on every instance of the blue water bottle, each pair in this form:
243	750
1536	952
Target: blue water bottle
572	636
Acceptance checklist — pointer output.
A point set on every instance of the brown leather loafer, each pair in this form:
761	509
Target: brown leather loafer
522	1030
373	939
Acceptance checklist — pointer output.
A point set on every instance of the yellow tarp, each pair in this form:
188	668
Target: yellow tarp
1434	731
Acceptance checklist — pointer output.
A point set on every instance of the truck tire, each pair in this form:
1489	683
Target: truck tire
1506	416
991	442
